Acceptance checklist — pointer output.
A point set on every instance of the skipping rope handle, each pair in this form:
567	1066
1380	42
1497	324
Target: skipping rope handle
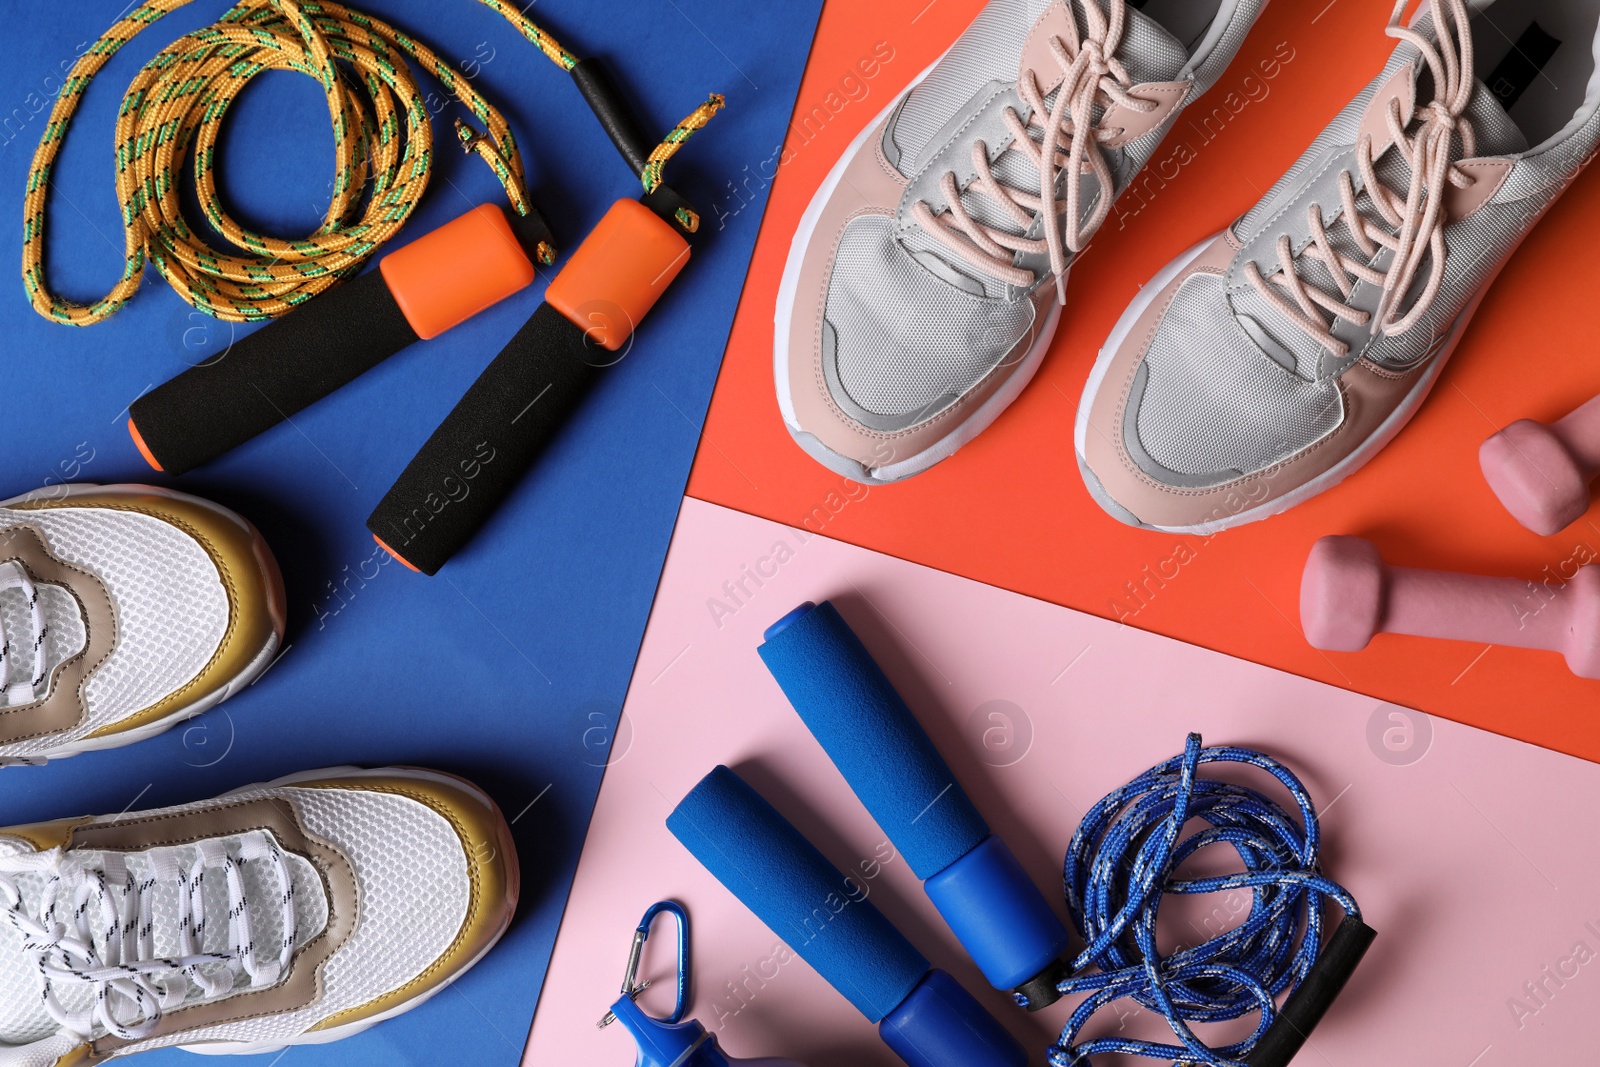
923	1014
889	761
1315	995
417	292
485	445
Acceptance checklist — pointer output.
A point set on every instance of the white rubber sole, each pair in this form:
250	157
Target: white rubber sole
258	663
339	1033
1377	442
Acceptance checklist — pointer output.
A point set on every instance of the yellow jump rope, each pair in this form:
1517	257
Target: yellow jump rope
383	152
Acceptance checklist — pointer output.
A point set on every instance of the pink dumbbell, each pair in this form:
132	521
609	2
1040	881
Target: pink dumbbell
1542	473
1349	594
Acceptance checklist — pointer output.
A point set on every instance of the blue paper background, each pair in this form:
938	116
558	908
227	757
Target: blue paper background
509	667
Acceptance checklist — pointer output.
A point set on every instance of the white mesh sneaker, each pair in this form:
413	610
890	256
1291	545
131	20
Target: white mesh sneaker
923	286
1265	365
123	611
297	912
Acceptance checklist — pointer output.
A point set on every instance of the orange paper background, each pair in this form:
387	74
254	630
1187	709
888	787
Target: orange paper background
1011	510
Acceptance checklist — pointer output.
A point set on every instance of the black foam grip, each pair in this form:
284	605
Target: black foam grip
268	376
479	453
1310	1002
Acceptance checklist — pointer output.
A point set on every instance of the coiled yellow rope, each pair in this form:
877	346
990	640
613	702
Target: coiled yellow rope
175	106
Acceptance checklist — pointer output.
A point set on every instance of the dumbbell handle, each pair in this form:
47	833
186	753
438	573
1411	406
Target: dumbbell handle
1497	611
1580	432
1349	594
1542	473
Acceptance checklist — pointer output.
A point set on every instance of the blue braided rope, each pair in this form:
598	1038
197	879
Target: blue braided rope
1121	862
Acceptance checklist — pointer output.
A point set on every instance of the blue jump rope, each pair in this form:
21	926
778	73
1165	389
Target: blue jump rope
1120	863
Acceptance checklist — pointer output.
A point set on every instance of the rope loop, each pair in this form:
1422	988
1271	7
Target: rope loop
1124	859
173	110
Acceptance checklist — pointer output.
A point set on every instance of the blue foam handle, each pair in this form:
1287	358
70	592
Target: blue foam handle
1001	918
999	915
883	752
780	876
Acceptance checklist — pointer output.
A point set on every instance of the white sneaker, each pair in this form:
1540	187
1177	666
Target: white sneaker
123	611
297	912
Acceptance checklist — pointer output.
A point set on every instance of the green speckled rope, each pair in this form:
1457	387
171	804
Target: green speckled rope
175	106
669	147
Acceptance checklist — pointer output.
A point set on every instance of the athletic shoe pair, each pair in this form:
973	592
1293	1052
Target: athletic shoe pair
300	911
1262	366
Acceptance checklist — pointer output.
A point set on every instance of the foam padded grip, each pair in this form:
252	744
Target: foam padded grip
883	752
270	375
780	876
484	446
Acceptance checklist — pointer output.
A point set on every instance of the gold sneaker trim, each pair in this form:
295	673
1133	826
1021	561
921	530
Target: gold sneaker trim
245	566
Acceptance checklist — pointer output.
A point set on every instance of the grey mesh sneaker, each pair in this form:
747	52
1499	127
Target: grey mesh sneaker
923	287
1265	365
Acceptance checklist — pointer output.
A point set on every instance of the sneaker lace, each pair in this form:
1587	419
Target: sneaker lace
1413	224
24	690
95	928
1092	75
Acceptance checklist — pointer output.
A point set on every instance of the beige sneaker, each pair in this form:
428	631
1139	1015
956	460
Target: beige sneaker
923	287
297	912
1266	365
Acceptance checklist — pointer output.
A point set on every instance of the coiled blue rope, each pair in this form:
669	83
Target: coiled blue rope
1120	864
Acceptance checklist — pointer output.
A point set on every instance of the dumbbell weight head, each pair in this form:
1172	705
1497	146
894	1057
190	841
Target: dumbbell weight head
1540	482
1342	594
1583	641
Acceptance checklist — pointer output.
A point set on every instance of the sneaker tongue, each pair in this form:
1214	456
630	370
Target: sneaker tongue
991	50
1150	53
1498	134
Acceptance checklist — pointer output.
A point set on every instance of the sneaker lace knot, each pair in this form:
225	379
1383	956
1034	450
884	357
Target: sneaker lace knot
94	929
1091	76
1411	226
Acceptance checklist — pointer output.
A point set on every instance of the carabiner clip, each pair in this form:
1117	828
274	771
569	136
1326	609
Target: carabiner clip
632	987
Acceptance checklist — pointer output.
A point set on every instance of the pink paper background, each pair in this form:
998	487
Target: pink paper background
1472	855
